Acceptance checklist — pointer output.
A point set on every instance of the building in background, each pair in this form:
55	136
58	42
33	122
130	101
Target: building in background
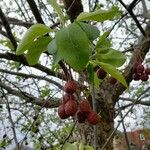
138	139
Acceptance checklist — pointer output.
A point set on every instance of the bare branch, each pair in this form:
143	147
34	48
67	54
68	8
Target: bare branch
7	27
32	76
50	103
11	120
35	11
22	59
129	9
145	103
124	128
72	129
73	8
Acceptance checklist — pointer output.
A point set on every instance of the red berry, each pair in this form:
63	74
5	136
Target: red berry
140	68
70	87
81	117
84	106
136	77
101	73
68	97
144	77
61	112
112	80
93	118
147	71
71	107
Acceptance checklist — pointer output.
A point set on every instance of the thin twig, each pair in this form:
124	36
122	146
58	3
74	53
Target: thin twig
23	14
26	76
95	109
124	128
133	16
68	135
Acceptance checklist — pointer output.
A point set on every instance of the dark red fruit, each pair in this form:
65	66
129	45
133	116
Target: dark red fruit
147	71
93	118
68	97
70	87
136	77
61	112
112	80
71	108
144	77
81	117
84	106
101	73
140	68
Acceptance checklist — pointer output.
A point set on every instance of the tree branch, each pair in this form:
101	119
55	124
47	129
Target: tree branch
129	9
11	120
73	8
32	76
22	60
35	11
145	103
7	28
50	103
18	22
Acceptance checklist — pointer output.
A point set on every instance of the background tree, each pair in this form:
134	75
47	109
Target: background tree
32	89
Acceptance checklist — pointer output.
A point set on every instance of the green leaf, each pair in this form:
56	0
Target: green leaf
7	43
57	8
88	148
32	33
113	71
113	57
91	31
73	46
81	146
52	47
69	146
100	15
35	50
103	41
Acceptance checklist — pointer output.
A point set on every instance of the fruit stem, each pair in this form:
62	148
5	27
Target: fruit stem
64	68
95	109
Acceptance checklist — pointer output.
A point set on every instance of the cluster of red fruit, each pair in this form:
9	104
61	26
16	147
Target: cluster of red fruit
101	74
71	107
140	72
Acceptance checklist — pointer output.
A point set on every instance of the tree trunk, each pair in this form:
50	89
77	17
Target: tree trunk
104	129
106	109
